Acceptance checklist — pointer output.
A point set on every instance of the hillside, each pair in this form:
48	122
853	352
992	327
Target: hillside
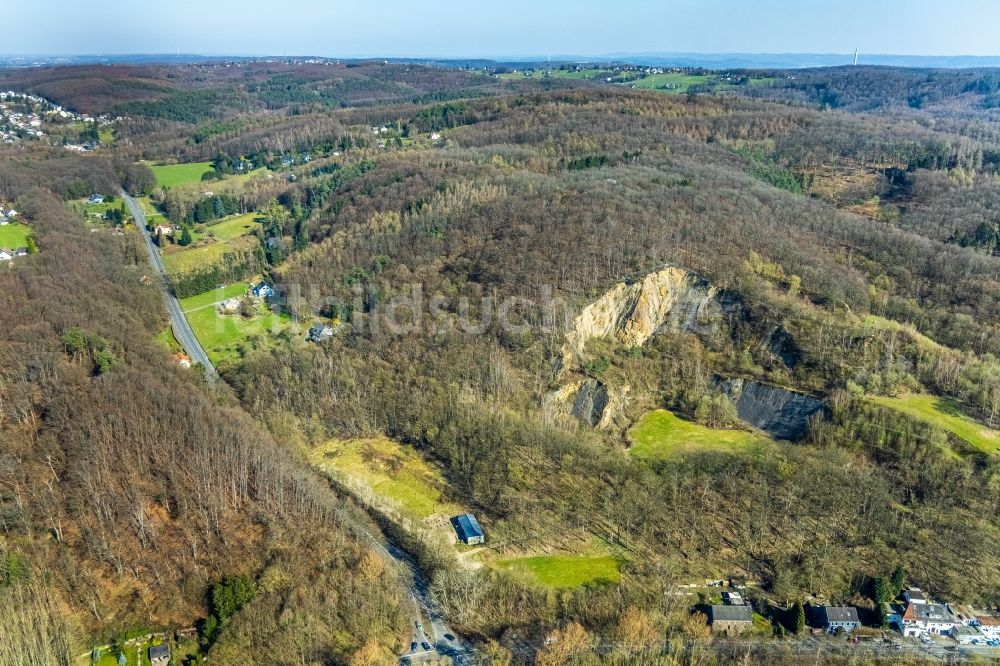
649	339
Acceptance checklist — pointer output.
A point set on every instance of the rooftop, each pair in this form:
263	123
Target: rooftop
838	614
731	614
467	526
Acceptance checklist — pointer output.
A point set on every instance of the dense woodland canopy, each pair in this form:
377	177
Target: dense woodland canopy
856	211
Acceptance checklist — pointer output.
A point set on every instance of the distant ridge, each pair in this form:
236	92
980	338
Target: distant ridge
656	59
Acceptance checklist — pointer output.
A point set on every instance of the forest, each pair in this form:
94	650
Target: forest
833	238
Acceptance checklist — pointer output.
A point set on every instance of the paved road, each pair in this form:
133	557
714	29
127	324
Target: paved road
179	323
423	610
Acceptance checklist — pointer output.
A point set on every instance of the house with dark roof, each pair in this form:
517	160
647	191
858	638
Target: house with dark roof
730	620
468	530
262	290
914	595
837	619
159	655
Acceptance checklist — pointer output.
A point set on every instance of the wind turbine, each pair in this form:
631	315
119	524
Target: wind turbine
855	57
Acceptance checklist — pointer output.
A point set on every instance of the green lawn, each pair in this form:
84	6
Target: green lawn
172	175
14	235
566	571
183	260
947	415
226	337
394	472
661	434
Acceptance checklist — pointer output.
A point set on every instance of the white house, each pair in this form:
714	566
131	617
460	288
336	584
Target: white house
6	254
989	626
920	618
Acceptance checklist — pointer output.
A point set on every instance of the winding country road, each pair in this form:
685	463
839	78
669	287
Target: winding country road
178	322
423	607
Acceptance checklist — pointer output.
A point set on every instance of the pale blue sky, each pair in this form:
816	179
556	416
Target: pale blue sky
453	28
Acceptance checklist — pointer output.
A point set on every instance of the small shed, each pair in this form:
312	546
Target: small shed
468	529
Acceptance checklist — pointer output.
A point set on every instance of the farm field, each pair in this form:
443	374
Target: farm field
566	571
947	415
394	473
14	235
661	434
173	175
226	337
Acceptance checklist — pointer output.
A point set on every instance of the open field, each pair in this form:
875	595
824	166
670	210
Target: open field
172	175
182	260
395	473
226	337
661	434
14	235
571	74
230	228
566	571
678	81
945	414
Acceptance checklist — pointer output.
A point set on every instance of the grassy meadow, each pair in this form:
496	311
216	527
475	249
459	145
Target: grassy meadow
565	571
947	415
395	473
14	235
174	175
661	434
226	337
178	259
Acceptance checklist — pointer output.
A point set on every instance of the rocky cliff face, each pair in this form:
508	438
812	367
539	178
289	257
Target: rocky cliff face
781	413
669	299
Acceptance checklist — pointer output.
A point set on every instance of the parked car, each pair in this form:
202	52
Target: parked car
425	645
449	637
413	646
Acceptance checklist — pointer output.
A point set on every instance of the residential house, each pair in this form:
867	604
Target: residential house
182	360
163	230
733	599
730	620
159	655
468	529
837	619
262	290
320	332
21	252
989	626
966	635
287	160
3	217
920	618
6	254
914	595
435	136
96	199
